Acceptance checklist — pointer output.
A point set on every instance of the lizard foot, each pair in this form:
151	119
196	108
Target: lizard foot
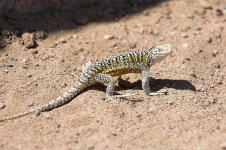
160	92
118	97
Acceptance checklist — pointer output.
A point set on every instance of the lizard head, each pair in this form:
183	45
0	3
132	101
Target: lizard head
159	52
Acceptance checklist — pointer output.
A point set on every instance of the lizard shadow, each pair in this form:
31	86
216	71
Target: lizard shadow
158	84
155	85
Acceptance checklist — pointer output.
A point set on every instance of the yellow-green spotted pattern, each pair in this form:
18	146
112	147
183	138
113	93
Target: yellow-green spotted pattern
129	62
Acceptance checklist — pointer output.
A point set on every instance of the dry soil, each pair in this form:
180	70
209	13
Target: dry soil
39	66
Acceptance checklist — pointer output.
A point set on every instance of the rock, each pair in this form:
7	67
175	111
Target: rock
2	105
184	35
28	40
161	38
63	40
198	28
81	49
109	37
219	12
167	12
75	36
223	145
163	91
62	60
46	115
205	4
200	88
200	51
185	45
216	65
29	75
200	11
214	53
30	104
145	13
132	44
212	100
190	16
40	35
192	73
53	45
209	40
34	51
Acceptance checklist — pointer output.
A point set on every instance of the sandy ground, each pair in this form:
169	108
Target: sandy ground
190	116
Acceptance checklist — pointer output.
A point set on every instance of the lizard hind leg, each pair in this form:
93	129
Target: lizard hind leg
109	81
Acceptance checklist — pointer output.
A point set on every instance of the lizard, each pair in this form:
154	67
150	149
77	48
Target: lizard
106	72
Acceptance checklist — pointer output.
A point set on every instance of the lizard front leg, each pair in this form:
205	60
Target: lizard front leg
109	81
145	79
146	82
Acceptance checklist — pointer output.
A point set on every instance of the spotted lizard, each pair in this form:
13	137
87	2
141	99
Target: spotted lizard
106	71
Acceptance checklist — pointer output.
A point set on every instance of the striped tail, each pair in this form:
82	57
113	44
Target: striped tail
74	90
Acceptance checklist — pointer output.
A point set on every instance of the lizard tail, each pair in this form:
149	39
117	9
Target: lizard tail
74	90
18	115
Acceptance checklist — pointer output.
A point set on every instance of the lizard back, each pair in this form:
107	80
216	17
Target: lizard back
116	65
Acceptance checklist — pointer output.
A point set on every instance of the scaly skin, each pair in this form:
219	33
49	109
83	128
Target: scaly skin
104	71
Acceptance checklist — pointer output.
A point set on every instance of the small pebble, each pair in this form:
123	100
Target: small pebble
167	12
145	13
209	40
192	73
200	12
205	4
28	40
132	44
62	60
30	104
75	53
58	125
212	100
53	45
46	115
164	91
198	28
40	35
184	35
200	88
2	105
161	38
63	40
190	16
185	45
29	75
219	12
214	53
37	113
223	145
108	37
217	65
200	50
75	36
191	97
173	33
64	85
81	49
34	51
